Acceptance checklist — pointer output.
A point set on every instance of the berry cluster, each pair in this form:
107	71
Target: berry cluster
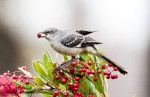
73	79
7	87
84	69
107	70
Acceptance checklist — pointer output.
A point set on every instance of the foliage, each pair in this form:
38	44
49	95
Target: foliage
86	77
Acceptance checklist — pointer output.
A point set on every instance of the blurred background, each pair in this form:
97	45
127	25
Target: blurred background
124	30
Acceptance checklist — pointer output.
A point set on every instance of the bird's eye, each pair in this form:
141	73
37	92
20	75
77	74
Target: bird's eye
51	31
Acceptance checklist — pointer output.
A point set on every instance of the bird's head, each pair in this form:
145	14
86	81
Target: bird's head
48	34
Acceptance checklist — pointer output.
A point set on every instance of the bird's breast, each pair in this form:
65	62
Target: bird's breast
60	48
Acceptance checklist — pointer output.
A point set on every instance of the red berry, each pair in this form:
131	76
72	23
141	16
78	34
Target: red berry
70	87
89	63
107	73
79	93
110	64
95	78
65	94
86	66
14	76
81	70
71	70
114	76
39	35
21	90
103	67
82	95
66	77
13	88
26	82
4	82
115	68
2	89
21	87
24	67
75	95
6	74
92	72
25	77
77	78
90	96
63	80
75	89
89	72
74	63
108	76
84	70
57	77
99	71
61	73
54	95
56	92
75	85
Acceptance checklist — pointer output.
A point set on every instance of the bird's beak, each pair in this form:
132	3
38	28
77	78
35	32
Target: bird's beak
41	35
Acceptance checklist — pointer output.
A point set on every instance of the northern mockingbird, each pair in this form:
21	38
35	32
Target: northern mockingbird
74	43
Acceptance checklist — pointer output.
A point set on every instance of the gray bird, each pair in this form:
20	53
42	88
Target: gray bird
74	43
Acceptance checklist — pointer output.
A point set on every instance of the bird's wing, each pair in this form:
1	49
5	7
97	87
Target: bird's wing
83	32
72	40
78	41
89	42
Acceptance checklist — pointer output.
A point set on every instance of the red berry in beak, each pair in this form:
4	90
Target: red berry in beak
39	35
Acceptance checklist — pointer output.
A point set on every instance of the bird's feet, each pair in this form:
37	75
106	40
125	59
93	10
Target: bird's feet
63	65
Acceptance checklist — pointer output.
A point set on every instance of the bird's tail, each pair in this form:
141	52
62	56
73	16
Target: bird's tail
103	57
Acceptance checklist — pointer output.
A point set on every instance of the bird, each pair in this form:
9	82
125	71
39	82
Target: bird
74	43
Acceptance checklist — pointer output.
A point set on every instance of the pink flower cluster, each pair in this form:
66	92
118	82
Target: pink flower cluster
8	88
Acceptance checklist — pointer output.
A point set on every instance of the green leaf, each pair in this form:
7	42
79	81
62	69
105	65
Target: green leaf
100	50
94	57
40	62
48	55
84	86
98	84
40	70
39	82
62	86
47	95
65	58
56	82
45	60
50	69
95	95
30	91
89	84
102	95
86	57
